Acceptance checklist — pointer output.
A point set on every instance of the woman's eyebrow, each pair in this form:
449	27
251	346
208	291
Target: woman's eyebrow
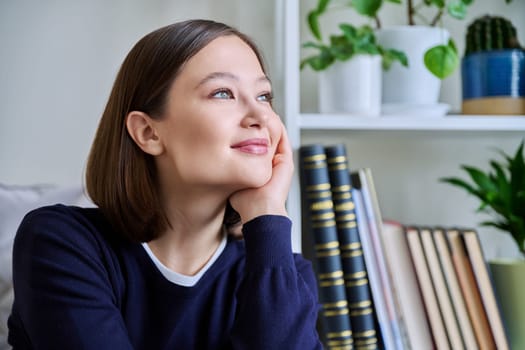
218	75
229	76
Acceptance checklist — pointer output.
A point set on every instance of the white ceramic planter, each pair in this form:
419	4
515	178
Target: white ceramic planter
413	85
353	86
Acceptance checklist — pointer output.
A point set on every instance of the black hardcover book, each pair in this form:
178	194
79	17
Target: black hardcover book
362	314
319	220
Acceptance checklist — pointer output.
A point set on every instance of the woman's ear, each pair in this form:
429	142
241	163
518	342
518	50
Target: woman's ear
142	130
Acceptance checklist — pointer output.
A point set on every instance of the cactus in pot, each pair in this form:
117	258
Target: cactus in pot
490	33
493	68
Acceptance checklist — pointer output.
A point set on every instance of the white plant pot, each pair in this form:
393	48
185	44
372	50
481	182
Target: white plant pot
353	86
414	84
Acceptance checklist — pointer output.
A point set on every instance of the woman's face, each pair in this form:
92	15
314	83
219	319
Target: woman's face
219	129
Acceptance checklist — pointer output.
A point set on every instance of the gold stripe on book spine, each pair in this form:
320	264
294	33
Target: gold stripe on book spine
333	313
337	159
357	283
367	334
322	205
346	217
315	158
352	254
319	187
342	334
323	216
337	304
327	245
356	275
352	246
334	274
338	167
345	206
342	188
362	304
337	282
361	312
340	344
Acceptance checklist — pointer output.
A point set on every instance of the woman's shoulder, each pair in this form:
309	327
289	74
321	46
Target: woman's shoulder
62	225
59	216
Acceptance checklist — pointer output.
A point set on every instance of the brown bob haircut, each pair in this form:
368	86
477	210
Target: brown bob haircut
121	179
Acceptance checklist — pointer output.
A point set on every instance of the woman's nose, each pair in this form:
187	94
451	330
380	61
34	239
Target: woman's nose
256	116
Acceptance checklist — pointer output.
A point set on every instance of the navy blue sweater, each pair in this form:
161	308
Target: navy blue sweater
77	286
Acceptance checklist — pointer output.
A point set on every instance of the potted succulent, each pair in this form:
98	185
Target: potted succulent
493	68
350	62
501	192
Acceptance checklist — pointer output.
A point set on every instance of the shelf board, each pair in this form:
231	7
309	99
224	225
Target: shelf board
448	122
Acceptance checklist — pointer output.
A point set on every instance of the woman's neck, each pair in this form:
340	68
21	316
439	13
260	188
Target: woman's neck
195	233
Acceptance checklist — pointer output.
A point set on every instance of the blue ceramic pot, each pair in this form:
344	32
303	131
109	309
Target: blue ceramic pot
494	73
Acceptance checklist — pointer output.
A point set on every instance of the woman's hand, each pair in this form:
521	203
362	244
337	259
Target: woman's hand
271	197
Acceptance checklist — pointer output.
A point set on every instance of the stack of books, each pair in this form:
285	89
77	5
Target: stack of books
385	285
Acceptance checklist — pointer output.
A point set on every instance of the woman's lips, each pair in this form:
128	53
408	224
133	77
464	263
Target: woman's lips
252	146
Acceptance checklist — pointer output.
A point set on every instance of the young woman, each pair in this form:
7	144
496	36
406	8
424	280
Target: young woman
188	147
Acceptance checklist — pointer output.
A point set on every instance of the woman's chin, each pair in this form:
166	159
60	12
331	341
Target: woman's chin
257	181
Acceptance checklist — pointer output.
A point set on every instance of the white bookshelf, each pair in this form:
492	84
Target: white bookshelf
445	123
297	123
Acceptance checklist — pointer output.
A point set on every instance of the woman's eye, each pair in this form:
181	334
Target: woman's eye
266	97
222	94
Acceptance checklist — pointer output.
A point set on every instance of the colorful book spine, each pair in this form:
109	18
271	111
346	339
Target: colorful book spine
317	200
362	315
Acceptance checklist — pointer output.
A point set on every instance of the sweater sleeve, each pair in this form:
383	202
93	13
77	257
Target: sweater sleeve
64	297
277	298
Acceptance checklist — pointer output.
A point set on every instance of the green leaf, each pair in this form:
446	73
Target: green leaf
341	48
438	3
317	63
367	7
313	24
311	44
460	183
320	61
322	5
442	60
457	9
349	31
481	179
394	1
391	55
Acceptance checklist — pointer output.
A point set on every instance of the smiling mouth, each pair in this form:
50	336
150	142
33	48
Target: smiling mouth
252	146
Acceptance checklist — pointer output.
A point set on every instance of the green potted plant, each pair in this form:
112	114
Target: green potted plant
493	68
501	192
432	53
349	63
